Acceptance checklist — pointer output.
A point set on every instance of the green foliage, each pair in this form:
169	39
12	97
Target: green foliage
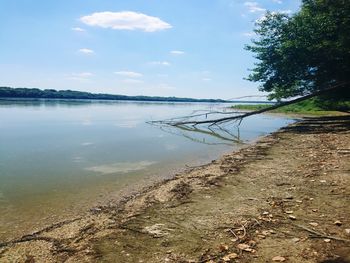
305	52
311	106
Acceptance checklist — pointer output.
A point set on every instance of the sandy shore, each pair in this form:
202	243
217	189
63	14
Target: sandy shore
283	199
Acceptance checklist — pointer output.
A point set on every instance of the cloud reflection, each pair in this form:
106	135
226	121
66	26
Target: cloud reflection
122	167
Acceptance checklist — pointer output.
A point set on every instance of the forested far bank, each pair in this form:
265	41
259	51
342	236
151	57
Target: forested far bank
7	92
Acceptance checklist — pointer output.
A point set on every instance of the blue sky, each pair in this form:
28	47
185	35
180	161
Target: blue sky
184	48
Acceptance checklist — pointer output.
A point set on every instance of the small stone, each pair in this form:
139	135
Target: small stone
265	232
314	210
313	224
327	240
298	201
289	212
347	231
250	250
242	246
292	217
323	181
338	223
295	239
265	213
228	257
279	259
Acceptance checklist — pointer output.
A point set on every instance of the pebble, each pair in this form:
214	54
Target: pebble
292	217
295	239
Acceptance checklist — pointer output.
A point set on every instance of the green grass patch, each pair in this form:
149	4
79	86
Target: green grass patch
308	107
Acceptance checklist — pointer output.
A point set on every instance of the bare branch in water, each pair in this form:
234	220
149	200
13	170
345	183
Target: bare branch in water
218	121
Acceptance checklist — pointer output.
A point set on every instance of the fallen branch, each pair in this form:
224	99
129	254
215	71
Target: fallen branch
240	117
320	235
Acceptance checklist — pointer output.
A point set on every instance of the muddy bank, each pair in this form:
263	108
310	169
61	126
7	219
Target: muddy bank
285	198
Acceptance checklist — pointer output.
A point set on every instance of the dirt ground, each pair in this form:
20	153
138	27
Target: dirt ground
285	198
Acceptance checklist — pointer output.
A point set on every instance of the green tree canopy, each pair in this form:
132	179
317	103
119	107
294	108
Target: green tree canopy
305	52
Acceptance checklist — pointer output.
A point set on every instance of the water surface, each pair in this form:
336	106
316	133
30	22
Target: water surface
58	158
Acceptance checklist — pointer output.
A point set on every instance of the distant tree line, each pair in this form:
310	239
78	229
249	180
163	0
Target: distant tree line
7	92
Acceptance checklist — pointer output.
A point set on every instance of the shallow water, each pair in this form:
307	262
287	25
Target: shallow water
58	158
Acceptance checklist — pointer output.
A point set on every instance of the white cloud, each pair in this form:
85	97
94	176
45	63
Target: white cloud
132	81
78	29
206	79
125	20
277	1
248	34
177	52
160	63
129	74
254	7
86	51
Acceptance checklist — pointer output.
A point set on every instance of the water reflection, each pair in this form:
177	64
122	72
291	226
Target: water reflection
120	167
59	157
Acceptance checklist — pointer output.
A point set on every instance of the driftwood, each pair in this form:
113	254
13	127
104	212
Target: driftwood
184	121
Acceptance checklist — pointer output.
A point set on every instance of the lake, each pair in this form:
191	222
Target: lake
59	158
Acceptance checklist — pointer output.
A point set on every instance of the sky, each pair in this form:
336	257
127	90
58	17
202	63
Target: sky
183	48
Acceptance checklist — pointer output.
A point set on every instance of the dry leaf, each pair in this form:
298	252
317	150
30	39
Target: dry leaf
223	247
228	257
242	246
279	259
338	223
250	250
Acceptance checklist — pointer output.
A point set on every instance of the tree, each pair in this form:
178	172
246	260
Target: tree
304	53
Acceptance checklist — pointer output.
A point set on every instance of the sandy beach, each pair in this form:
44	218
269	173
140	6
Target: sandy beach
284	198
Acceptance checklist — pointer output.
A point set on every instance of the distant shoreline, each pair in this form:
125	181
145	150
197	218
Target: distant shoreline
7	93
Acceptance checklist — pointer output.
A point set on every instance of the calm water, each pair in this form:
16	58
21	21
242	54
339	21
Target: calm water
59	158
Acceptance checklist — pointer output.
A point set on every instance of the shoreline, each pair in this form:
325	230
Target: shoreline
140	215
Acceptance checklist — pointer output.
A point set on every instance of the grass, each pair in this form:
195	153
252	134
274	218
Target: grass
308	107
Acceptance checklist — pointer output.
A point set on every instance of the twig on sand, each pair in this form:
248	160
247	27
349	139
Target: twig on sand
320	235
